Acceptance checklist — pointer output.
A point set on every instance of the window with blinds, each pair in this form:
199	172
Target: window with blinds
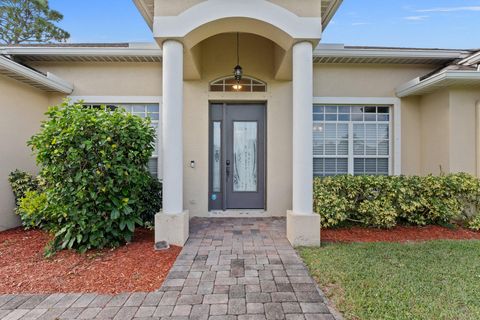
351	139
142	110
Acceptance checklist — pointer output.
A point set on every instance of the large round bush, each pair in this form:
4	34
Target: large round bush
94	163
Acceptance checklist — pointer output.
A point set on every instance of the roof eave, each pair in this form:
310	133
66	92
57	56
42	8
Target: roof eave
417	86
49	82
148	16
471	60
328	15
337	53
63	51
388	53
85	54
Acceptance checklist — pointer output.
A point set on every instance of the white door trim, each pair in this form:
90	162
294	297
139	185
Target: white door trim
397	120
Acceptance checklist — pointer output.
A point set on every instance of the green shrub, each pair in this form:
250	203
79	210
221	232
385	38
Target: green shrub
151	200
31	209
474	224
94	163
30	202
385	201
21	182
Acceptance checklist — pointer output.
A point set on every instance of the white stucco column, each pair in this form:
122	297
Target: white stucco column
171	225
172	128
303	226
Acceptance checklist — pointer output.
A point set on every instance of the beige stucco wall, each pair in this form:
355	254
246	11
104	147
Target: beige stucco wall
462	129
108	78
411	136
22	108
173	8
309	8
218	59
435	132
363	80
448	130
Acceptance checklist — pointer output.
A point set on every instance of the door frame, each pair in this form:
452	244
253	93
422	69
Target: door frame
224	103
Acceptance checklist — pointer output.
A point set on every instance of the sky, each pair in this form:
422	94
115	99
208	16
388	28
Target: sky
399	23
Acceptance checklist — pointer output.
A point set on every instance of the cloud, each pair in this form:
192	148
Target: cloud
416	18
450	9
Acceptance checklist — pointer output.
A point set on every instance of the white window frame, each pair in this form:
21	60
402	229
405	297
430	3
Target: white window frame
395	158
132	100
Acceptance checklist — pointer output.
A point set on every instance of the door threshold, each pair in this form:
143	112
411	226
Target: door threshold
238	213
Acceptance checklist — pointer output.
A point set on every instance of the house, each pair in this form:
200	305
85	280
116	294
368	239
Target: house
249	143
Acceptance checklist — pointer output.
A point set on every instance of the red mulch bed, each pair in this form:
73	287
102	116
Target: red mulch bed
131	268
397	234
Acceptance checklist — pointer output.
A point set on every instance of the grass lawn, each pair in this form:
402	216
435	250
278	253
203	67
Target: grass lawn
423	280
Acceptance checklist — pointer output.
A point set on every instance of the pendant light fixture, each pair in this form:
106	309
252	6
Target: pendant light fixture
238	71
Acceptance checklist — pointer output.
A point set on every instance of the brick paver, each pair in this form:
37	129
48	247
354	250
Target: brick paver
230	268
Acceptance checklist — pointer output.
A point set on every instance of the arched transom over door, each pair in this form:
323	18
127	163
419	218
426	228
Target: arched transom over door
230	84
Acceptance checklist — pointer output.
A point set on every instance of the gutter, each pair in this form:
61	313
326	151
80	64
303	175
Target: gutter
82	52
472	60
49	80
333	51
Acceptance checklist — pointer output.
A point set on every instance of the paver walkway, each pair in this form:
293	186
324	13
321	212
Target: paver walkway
230	268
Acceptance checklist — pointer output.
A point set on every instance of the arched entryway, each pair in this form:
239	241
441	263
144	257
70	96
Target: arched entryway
197	48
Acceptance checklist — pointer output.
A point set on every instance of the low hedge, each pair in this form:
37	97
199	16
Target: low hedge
385	201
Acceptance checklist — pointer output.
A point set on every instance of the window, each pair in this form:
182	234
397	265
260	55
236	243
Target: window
230	84
351	139
142	110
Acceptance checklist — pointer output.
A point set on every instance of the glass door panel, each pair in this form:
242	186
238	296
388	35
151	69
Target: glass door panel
216	156
245	147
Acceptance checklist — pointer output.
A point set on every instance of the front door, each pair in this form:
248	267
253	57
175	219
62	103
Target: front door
237	156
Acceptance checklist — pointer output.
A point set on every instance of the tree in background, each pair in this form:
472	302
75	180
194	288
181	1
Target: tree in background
29	21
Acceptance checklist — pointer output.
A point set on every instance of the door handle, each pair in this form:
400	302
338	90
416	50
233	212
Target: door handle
227	169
